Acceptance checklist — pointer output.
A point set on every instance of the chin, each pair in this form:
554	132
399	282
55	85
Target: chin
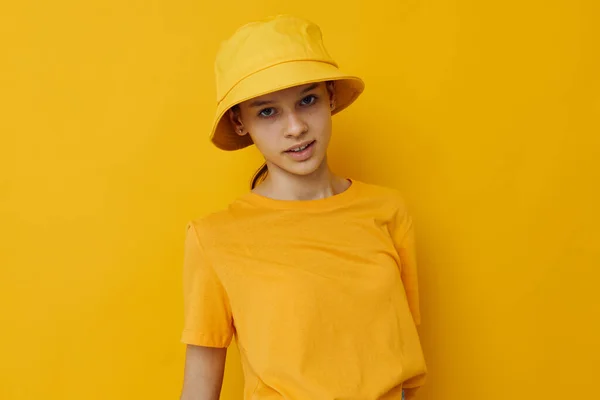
305	168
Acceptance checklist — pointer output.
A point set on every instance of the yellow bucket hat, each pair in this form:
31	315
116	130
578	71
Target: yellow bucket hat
267	56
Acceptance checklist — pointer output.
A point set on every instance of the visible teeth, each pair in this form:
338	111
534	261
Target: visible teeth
300	148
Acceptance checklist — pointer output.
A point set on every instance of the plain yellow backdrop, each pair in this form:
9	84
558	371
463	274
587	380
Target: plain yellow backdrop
485	114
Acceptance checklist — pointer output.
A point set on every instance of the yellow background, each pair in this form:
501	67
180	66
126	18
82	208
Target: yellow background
485	114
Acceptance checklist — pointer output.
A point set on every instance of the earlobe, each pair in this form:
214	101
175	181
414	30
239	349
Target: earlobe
234	118
331	91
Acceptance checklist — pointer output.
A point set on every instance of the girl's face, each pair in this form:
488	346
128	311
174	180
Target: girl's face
291	127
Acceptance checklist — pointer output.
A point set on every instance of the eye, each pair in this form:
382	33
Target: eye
308	100
267	112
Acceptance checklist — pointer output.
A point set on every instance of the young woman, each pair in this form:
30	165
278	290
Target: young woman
313	273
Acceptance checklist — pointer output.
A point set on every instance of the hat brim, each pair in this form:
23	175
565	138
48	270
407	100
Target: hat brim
278	77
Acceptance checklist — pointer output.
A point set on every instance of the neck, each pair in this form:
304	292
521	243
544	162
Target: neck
282	185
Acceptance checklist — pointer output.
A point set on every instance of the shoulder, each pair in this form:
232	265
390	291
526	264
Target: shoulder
389	206
225	223
383	196
214	223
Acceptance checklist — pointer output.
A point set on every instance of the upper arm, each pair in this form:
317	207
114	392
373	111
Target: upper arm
203	376
403	235
208	322
208	319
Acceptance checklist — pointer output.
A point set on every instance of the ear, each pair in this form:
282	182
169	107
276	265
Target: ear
330	85
236	120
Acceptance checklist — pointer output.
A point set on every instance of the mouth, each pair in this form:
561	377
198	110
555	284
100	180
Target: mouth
301	152
301	147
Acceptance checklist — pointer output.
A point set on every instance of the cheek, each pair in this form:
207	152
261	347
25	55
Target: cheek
320	123
265	136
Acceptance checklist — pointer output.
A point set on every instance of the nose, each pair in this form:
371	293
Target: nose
296	126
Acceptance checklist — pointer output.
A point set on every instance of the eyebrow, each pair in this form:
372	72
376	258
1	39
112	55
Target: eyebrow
311	87
260	103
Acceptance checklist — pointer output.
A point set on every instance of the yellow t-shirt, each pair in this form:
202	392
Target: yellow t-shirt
321	295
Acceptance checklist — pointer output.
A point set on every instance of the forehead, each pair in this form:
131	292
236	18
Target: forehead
294	91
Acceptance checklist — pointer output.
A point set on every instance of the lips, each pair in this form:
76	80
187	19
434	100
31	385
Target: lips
300	147
301	152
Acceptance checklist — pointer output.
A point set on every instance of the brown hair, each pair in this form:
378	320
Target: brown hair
259	175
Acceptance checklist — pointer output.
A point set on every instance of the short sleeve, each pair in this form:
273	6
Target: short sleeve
403	234
208	319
